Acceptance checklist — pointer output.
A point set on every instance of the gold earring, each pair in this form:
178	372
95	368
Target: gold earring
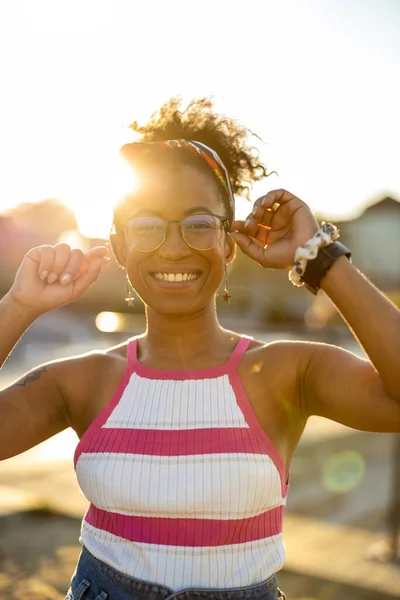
129	293
226	296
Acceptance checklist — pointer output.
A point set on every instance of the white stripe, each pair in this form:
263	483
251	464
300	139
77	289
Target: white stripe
210	486
174	404
179	567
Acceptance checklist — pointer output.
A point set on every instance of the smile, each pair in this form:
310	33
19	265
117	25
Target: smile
175	277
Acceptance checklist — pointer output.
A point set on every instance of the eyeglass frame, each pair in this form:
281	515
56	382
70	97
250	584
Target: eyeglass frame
224	221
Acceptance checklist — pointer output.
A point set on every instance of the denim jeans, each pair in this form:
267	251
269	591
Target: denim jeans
94	580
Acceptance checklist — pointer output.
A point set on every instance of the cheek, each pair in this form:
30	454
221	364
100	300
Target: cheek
212	264
216	264
134	268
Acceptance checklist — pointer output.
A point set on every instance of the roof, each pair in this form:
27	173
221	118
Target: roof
386	205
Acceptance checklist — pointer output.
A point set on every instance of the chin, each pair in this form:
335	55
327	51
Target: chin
178	307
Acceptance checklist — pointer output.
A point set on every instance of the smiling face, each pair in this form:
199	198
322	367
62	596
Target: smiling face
175	278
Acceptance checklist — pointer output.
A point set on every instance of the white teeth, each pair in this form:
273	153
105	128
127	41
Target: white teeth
175	277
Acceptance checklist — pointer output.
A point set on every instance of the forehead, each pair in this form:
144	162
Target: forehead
172	192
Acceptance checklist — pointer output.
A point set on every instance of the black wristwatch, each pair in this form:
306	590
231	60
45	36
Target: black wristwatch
317	267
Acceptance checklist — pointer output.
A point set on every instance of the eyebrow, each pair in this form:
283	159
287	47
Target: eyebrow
197	209
189	211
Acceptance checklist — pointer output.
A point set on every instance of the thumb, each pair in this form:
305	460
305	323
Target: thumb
89	276
248	246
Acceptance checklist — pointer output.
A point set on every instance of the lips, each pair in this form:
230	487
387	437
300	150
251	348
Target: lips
175	277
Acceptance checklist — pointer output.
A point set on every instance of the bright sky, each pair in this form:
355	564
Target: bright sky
318	80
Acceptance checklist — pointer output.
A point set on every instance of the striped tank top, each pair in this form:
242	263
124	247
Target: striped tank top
185	488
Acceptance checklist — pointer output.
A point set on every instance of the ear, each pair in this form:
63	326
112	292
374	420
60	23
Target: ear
230	249
119	249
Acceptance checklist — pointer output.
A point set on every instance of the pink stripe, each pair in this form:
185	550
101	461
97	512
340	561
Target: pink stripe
149	372
85	442
187	532
164	442
263	439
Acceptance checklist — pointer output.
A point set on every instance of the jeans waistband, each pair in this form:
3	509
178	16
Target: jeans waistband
95	580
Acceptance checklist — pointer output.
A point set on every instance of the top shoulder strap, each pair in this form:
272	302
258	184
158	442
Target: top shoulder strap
239	351
132	352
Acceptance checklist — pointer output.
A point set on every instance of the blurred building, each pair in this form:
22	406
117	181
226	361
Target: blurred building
27	226
259	295
374	239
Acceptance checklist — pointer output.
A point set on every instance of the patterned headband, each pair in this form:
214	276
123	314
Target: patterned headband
207	154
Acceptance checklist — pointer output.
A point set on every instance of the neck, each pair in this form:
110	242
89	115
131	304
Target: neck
183	336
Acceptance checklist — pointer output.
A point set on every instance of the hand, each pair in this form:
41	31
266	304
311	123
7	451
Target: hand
278	225
51	276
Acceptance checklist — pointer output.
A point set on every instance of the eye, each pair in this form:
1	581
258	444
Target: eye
148	227
200	222
145	224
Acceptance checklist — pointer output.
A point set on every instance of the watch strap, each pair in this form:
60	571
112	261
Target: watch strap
317	268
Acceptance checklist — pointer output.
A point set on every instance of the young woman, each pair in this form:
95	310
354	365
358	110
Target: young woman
187	432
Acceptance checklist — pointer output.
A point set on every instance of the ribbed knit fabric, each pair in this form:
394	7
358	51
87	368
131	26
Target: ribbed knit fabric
185	488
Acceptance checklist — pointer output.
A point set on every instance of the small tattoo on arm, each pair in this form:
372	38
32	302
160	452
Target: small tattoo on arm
34	376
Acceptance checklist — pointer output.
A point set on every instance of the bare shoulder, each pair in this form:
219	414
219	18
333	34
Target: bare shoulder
281	355
274	370
87	381
56	395
88	364
272	375
285	362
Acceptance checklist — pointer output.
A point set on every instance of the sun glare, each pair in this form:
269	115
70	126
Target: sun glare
125	180
96	193
66	111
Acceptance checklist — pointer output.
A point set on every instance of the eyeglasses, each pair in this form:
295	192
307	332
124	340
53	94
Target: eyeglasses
146	233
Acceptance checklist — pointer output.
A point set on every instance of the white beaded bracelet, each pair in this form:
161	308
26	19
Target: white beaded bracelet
327	234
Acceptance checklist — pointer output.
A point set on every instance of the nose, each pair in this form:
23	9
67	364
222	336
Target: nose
174	246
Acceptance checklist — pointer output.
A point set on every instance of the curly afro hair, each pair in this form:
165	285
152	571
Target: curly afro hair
198	121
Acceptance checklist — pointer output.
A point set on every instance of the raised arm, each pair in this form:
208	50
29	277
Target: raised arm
364	394
33	409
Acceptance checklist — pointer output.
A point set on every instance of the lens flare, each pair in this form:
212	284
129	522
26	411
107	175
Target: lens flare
109	322
343	471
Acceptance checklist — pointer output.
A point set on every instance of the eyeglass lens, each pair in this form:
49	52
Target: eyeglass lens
146	233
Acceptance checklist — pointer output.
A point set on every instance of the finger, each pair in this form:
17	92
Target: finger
259	203
277	197
89	256
238	225
62	253
263	234
264	219
250	226
273	256
46	254
96	252
255	251
260	216
277	234
257	230
88	277
263	216
73	266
